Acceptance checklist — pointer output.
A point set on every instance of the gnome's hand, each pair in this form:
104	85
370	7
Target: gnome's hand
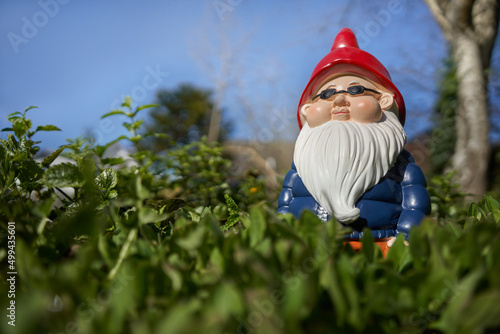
391	241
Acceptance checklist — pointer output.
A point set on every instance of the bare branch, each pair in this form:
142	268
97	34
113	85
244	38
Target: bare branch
485	19
438	11
458	13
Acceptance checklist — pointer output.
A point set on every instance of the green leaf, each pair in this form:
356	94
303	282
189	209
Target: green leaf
112	161
217	260
399	253
135	139
101	149
231	204
234	213
127	102
193	240
228	300
47	128
133	126
114	112
12	144
193	214
19	127
107	179
128	126
257	226
482	313
15	113
347	277
174	275
180	318
148	215
330	281
50	159
295	295
137	124
368	248
7	129
30	171
491	203
12	119
140	191
167	205
461	294
63	175
145	107
29	108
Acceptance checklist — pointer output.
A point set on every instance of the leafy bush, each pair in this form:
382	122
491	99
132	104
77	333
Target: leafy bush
131	250
447	200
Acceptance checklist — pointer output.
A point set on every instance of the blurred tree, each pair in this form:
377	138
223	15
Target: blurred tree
470	26
184	116
443	135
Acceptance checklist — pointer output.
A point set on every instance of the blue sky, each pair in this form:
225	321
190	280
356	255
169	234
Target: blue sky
76	59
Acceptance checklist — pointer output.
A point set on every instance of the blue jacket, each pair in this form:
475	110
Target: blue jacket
399	201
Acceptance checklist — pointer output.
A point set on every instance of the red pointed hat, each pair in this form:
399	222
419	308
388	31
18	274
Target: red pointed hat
346	57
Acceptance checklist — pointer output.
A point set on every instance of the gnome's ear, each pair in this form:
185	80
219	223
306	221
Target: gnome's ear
304	109
386	101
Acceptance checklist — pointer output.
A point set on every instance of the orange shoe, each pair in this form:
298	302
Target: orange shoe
356	245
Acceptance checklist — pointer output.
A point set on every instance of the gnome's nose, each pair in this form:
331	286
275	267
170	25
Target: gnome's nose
340	100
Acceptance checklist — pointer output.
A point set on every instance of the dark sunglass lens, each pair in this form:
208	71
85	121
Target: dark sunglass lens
355	90
327	93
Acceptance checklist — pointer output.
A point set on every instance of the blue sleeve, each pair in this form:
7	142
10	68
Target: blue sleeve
415	198
295	198
286	195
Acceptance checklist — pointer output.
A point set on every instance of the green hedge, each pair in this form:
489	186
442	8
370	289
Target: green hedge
121	256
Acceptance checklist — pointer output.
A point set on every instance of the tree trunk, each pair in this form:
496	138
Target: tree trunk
472	148
215	120
470	26
255	160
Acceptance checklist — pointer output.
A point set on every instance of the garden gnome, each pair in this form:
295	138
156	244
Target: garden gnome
349	159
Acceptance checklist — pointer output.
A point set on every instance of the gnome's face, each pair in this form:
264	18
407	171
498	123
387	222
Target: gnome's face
346	98
348	143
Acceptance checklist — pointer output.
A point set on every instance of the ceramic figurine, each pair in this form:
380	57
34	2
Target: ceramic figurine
349	159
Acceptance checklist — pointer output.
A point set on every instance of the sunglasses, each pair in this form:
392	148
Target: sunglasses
353	90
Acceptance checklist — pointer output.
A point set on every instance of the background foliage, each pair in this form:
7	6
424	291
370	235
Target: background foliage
163	244
183	115
443	134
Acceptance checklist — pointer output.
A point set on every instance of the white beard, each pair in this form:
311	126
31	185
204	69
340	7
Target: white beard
339	161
